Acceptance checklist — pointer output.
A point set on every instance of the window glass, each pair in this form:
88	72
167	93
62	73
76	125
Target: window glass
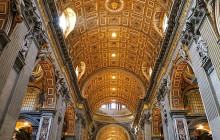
165	23
113	106
67	21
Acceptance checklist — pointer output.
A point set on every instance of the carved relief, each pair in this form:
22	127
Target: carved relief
202	48
163	90
45	127
181	130
36	31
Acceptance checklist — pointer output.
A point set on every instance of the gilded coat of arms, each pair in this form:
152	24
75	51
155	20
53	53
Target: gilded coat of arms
114	5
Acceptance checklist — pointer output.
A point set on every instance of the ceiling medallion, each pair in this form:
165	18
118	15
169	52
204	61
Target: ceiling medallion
114	5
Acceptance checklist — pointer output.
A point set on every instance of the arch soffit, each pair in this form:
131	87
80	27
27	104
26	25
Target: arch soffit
177	78
113	125
49	80
142	85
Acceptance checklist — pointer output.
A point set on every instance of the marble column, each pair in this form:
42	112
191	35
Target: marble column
180	124
145	125
80	125
163	103
201	40
167	119
15	88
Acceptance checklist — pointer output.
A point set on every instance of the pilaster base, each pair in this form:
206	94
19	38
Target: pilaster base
157	138
178	113
69	137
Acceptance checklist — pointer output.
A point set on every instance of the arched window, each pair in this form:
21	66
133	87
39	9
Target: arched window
113	106
67	21
147	70
165	22
161	21
80	70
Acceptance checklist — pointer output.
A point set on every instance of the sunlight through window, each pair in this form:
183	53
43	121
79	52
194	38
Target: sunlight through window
165	23
67	21
103	107
113	106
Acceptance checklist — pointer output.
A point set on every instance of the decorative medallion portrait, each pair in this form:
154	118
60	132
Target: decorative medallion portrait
114	5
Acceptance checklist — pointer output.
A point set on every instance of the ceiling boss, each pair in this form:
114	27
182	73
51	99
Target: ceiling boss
114	5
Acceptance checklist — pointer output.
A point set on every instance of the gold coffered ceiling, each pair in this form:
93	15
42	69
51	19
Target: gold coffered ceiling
135	14
96	47
113	86
113	132
129	55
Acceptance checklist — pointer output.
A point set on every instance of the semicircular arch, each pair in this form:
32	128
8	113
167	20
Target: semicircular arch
111	131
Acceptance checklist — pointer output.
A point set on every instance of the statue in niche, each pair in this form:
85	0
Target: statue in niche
16	7
42	97
25	47
59	82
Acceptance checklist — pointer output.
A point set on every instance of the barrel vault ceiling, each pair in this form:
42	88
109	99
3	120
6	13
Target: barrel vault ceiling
116	68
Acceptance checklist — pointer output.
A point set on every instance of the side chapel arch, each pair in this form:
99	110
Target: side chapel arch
182	88
49	81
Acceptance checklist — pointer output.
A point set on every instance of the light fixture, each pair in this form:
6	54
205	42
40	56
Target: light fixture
26	123
113	55
113	100
200	127
113	89
113	77
114	35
